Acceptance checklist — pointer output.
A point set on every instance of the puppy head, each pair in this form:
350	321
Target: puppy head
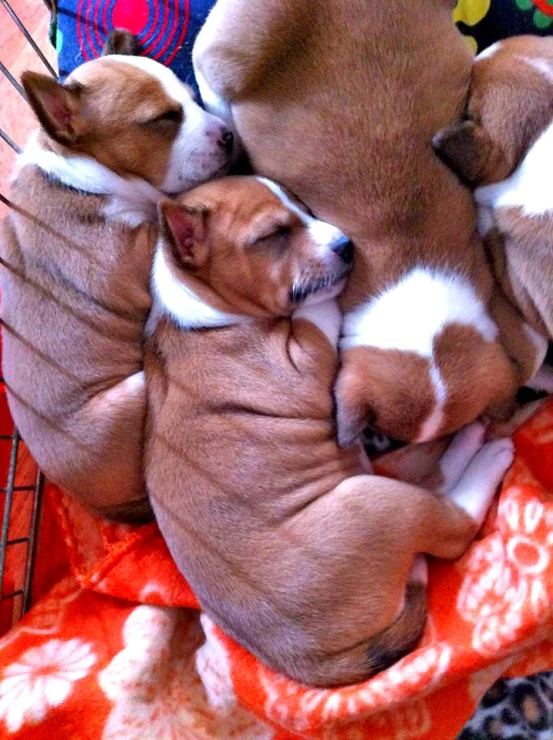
134	116
511	101
253	246
420	362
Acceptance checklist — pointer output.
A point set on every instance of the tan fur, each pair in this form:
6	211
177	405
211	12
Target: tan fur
75	284
291	548
509	107
339	100
368	398
74	303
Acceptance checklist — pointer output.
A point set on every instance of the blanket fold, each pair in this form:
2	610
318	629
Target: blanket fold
114	638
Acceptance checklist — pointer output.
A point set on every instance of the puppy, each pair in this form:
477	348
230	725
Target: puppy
339	101
290	544
76	250
504	149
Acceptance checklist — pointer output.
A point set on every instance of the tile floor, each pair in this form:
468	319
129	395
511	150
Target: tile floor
17	55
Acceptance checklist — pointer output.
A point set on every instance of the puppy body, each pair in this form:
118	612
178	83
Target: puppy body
290	544
338	100
505	149
76	253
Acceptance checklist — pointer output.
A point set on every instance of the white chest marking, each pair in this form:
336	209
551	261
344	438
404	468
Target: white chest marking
530	187
411	314
173	297
133	201
326	316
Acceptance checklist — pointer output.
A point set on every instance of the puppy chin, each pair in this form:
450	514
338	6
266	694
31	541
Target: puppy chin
195	173
326	294
308	292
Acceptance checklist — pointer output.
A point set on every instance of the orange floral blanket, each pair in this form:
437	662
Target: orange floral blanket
106	653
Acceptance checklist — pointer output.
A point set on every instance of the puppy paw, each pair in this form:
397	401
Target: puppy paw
463	447
476	488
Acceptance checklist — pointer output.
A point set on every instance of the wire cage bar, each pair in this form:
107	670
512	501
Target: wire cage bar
21	541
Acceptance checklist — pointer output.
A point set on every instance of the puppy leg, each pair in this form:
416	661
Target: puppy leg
106	472
361	548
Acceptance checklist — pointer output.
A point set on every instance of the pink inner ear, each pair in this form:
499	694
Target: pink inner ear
58	109
183	230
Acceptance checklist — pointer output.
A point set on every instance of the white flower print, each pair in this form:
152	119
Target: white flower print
155	687
42	678
504	587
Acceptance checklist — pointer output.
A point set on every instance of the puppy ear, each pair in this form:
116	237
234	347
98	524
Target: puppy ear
353	413
57	107
121	41
465	147
185	230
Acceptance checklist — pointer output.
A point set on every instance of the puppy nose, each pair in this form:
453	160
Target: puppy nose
343	247
226	141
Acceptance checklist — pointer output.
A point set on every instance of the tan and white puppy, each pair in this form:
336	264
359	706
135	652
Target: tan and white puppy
290	544
339	101
76	253
504	148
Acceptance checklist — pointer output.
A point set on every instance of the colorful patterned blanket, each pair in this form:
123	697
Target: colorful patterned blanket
107	653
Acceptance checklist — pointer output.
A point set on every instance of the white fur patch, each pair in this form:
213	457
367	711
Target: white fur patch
489	52
326	316
530	187
433	423
411	314
484	220
133	201
172	296
540	65
214	103
213	28
196	155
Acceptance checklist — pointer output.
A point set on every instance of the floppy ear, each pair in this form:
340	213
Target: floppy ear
353	413
57	107
121	41
465	147
184	230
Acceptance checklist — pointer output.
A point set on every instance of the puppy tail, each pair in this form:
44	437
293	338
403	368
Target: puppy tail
363	661
403	634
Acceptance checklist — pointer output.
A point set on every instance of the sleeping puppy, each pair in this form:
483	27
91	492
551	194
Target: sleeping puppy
504	148
290	543
343	113
76	251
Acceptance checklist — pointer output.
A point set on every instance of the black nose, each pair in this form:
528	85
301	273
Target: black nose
226	141
344	249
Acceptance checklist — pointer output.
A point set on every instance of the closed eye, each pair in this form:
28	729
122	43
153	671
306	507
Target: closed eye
279	232
171	116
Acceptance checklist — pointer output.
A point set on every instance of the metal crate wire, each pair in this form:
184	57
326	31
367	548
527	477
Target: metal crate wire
15	594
